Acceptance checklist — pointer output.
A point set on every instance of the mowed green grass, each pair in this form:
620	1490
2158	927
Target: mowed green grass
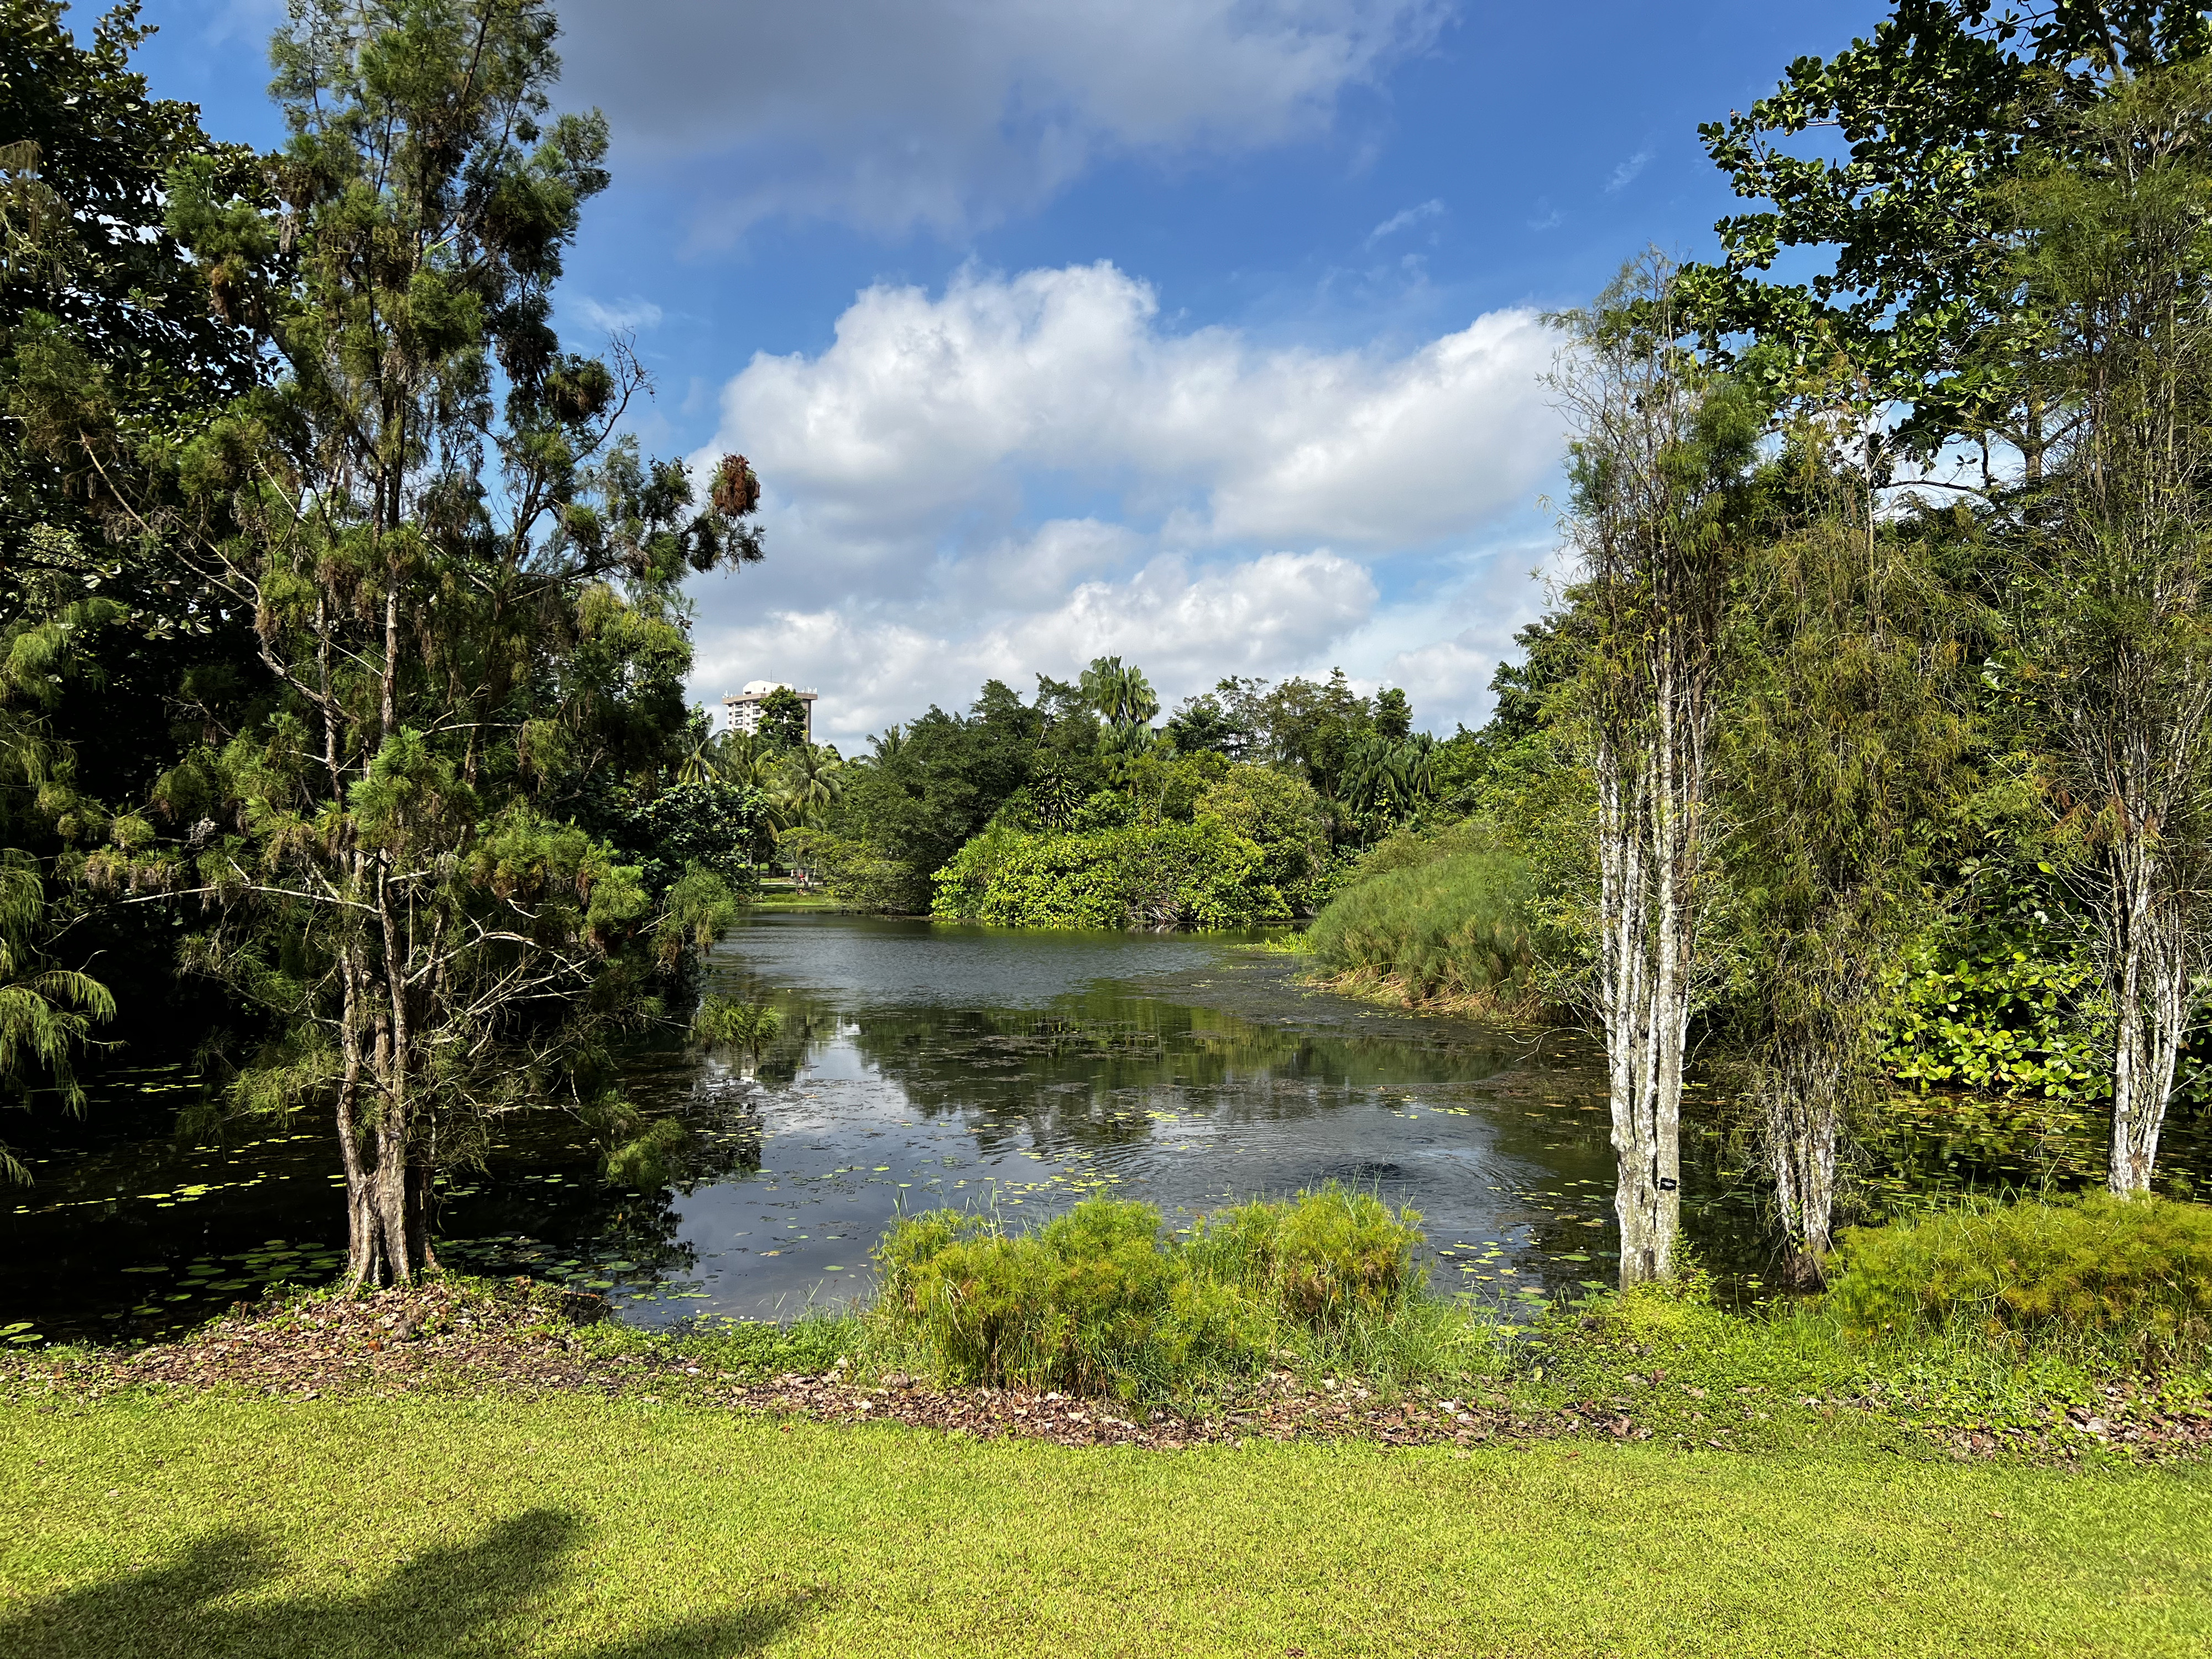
218	1526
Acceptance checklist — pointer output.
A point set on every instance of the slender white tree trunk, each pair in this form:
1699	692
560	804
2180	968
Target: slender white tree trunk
2148	971
1643	1006
1802	1117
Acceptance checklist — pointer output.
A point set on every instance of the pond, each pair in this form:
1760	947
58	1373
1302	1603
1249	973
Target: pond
921	1064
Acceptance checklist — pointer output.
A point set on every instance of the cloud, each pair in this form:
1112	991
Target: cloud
620	317
892	114
926	410
1624	174
1405	219
1022	471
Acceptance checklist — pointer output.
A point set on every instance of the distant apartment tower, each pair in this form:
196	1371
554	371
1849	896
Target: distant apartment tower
743	709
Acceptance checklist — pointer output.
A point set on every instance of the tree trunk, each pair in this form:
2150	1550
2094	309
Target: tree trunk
2148	972
387	1178
1801	1153
1643	1008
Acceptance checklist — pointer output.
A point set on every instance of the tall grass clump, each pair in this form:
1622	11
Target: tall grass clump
2130	1276
1328	1258
1453	929
1098	1301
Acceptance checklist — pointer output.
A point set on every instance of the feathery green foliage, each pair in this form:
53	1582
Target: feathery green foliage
1097	1301
46	1013
2129	1273
1454	927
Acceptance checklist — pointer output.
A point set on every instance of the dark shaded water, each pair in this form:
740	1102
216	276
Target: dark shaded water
921	1064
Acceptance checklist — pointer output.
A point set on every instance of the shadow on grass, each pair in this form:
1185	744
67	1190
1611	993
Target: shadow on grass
471	1599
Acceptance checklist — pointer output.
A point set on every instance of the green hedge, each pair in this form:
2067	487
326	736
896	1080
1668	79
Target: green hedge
1138	875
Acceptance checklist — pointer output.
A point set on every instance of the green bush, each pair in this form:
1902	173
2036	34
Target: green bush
1279	813
1138	875
1096	1301
1090	1301
854	873
2133	1273
1456	926
1326	1259
2003	1019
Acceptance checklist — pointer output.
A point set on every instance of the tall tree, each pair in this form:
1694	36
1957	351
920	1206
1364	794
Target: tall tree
104	335
1658	462
1935	109
464	594
1121	696
1839	754
2116	251
783	719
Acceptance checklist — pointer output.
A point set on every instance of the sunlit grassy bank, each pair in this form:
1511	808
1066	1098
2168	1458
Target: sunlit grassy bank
1985	1471
216	1526
1442	926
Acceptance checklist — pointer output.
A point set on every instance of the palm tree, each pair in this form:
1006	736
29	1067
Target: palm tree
1123	696
700	762
746	760
808	783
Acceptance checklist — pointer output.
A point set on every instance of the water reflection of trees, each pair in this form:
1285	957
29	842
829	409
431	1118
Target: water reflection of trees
508	1217
1095	1069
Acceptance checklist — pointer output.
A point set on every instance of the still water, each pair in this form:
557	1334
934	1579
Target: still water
920	1065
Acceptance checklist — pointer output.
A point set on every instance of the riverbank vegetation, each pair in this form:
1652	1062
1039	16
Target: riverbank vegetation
1865	744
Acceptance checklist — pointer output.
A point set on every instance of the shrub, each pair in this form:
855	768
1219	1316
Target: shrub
1456	926
1279	813
1143	875
1324	1259
1096	1301
2130	1272
2003	1019
1090	1301
855	874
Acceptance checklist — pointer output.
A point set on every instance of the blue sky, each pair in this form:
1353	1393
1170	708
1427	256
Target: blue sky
1201	332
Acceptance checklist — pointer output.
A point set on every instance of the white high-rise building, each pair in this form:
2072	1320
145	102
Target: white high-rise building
742	710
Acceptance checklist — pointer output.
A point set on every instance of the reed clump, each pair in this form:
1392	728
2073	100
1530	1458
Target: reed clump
2130	1276
1453	929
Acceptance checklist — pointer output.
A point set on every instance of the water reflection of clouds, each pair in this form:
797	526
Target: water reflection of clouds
1171	1071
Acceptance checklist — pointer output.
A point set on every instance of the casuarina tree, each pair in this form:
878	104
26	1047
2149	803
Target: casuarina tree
1838	750
1660	452
2116	604
464	595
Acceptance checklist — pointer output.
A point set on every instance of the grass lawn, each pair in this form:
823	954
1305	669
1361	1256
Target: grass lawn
213	1525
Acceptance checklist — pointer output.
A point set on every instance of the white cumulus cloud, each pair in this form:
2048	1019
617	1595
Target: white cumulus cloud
1024	471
